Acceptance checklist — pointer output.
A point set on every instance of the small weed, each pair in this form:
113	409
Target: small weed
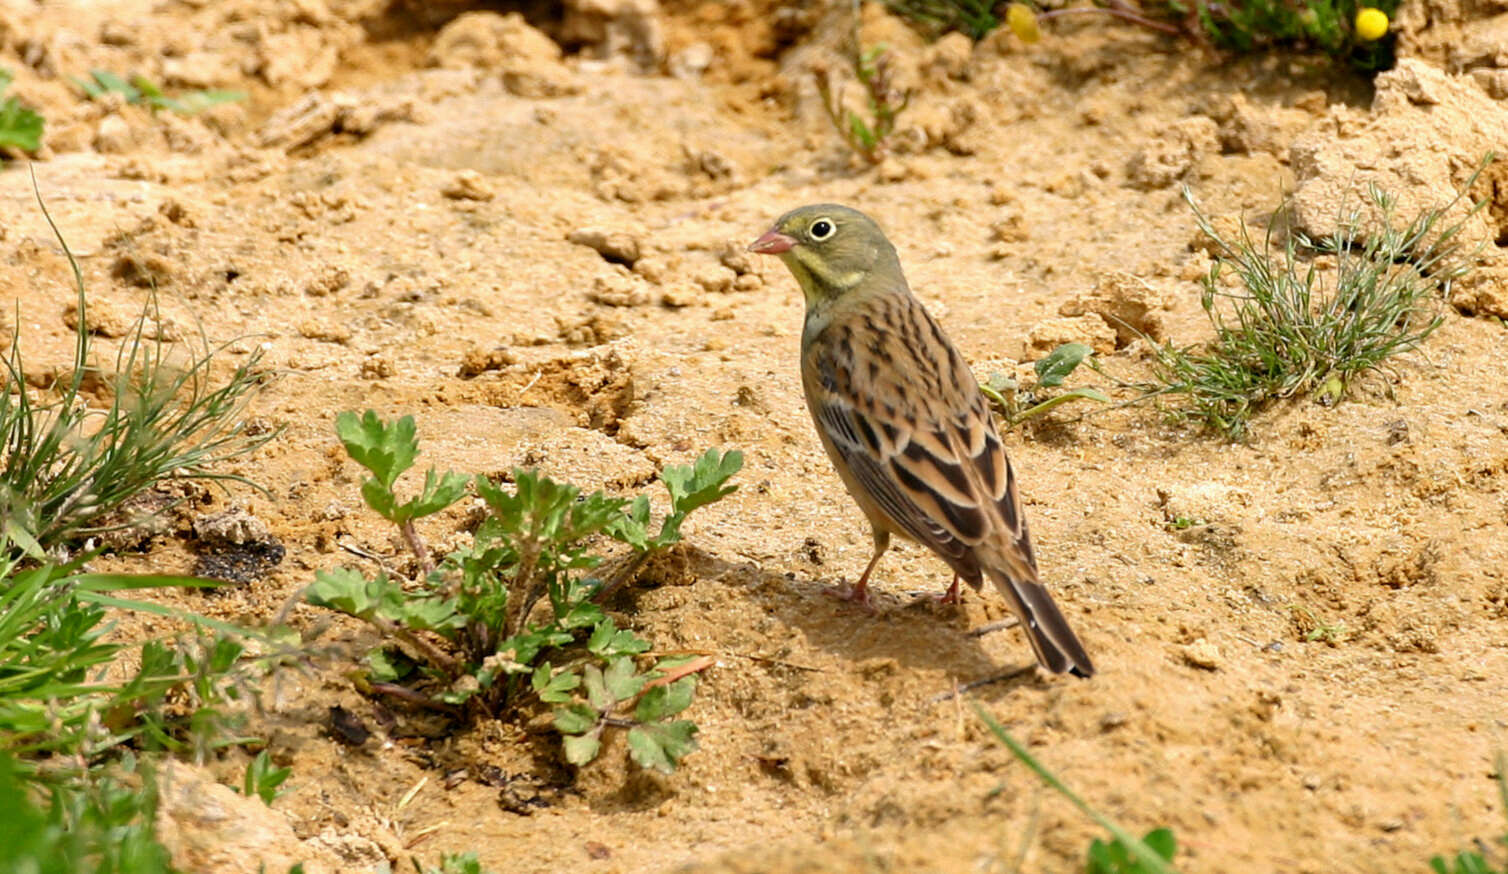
20	127
144	92
1124	853
460	638
884	103
1315	629
1020	405
1293	330
454	863
263	780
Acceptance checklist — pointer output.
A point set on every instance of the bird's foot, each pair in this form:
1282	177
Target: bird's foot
951	598
857	594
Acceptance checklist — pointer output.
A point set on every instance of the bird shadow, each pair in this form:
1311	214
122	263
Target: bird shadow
916	635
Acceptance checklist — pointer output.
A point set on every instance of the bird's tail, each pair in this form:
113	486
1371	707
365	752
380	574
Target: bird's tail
1057	647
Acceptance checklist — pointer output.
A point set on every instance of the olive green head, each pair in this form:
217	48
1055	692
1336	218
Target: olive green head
832	250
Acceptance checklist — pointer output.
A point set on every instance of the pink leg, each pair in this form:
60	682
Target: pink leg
952	596
859	592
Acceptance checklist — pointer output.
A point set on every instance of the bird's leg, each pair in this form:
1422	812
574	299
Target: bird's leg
859	592
952	596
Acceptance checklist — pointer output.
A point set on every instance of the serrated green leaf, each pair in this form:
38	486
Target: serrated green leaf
607	640
581	748
595	686
554	689
632	525
575	719
582	614
526	646
386	665
661	745
1059	363
380	498
622	679
426	614
347	591
665	701
455	697
700	484
385	450
440	491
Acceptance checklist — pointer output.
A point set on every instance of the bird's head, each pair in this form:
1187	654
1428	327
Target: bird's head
832	250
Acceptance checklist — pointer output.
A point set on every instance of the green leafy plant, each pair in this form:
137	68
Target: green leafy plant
144	92
462	635
1483	859
1124	853
20	127
1328	27
263	780
104	825
68	466
1020	404
1291	329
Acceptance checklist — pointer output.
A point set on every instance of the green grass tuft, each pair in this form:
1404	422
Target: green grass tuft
1290	329
68	466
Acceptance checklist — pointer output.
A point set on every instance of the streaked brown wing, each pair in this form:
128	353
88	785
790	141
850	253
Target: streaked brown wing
917	435
872	463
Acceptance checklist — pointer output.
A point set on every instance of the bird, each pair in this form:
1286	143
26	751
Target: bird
903	420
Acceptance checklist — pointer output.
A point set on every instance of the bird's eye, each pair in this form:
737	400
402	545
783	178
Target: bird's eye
821	229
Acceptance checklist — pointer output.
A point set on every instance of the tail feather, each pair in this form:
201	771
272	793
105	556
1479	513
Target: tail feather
1057	647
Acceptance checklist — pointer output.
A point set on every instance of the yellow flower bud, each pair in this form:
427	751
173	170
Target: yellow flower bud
1371	24
1023	22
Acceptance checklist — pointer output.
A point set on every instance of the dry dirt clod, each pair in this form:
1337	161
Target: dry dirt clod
1131	306
468	185
1176	150
1202	654
617	246
206	826
1089	329
618	290
102	318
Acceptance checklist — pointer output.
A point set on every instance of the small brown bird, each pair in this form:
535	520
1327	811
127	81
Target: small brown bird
904	422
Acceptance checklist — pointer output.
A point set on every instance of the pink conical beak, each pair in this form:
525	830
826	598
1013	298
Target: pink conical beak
772	243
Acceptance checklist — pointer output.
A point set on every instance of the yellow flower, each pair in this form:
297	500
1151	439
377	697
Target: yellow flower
1371	24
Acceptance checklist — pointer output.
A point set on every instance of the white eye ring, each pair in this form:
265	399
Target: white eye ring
822	228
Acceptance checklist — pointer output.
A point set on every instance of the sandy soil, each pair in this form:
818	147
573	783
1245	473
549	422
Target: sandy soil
393	205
